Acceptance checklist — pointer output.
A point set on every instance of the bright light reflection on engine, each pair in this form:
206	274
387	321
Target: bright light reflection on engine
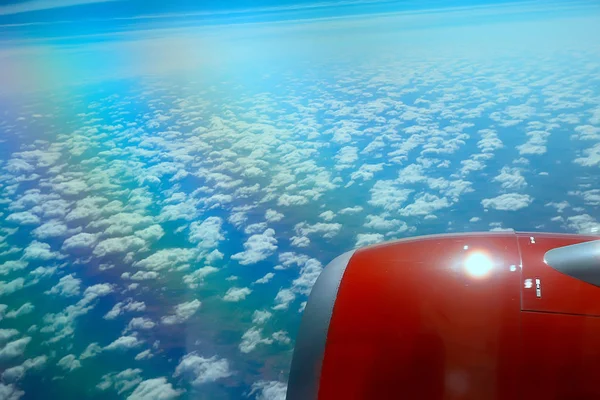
478	265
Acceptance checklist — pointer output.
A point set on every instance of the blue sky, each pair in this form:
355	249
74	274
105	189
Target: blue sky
59	18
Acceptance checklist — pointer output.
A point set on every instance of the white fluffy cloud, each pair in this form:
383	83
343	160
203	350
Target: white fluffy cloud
154	389
25	309
183	312
122	381
236	294
252	338
7	334
273	216
196	278
12	265
283	299
11	286
583	223
127	306
92	350
124	343
200	370
260	316
257	248
269	390
17	373
511	178
24	218
151	233
326	230
268	276
167	259
50	229
67	286
351	210
207	234
80	241
118	245
367	239
14	349
10	392
40	251
69	363
508	202
384	194
140	323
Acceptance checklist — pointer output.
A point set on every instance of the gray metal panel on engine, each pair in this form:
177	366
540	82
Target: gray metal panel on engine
581	261
308	355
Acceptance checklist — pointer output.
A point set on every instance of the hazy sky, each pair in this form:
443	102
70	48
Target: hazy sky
46	43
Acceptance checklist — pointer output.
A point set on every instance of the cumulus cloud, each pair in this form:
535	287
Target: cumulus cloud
346	157
252	338
118	245
17	373
300	241
140	275
367	239
583	223
196	278
269	390
151	233
511	178
308	275
7	334
124	343
69	363
183	312
40	251
236	294
200	370
12	265
207	234
127	306
326	230
281	337
144	355
140	323
424	204
351	210
67	286
508	202
10	392
122	381
92	350
25	309
11	286
80	241
260	316
384	194
273	216
327	215
153	389
590	157
257	248
283	299
265	279
23	218
288	200
51	229
167	259
13	349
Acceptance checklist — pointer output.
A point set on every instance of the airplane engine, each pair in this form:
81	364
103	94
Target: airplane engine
495	315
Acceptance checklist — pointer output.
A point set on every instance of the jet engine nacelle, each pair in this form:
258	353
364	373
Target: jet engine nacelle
496	315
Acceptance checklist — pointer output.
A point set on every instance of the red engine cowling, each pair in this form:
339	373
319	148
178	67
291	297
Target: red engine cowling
496	315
